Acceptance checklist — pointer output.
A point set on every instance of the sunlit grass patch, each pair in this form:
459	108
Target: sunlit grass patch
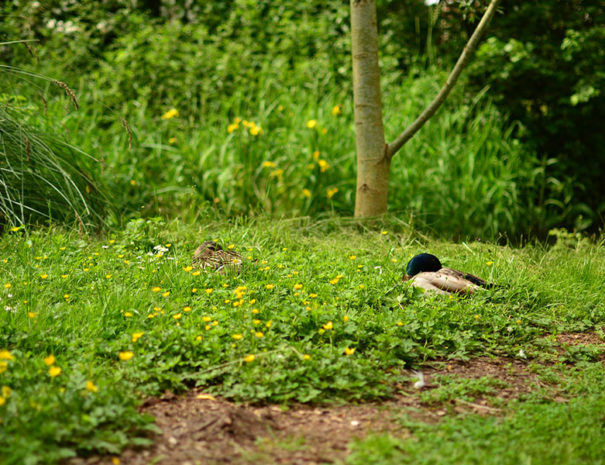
87	322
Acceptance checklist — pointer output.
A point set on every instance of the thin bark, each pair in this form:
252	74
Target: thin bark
469	49
372	163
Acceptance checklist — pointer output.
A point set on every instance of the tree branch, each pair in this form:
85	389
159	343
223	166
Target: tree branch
469	49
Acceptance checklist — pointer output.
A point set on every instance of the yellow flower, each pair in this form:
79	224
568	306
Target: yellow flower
54	371
255	130
137	336
306	193
44	276
108	276
255	310
5	355
115	461
156	289
328	325
490	263
196	273
170	114
166	294
336	110
232	127
249	358
345	318
331	192
64	276
32	314
259	334
2	401
7	285
194	290
237	337
177	316
50	360
91	387
311	123
257	322
188	268
361	286
298	286
399	323
198	338
124	356
209	290
306	357
276	174
384	233
349	351
270	286
334	281
269	323
6	391
269	164
127	314
206	319
3	366
323	166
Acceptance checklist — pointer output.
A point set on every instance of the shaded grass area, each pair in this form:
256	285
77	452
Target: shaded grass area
317	314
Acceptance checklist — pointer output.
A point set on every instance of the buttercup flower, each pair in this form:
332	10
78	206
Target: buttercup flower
170	114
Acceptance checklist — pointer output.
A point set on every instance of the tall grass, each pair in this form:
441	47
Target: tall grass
465	174
42	177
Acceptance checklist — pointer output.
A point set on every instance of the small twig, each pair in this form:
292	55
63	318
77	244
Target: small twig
32	51
129	131
479	406
43	101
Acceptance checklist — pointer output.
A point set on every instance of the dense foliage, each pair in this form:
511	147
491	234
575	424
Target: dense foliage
265	114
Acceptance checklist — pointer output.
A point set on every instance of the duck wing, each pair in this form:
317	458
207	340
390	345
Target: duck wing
217	259
446	280
427	282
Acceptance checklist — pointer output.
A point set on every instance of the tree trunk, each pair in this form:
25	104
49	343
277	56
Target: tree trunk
373	164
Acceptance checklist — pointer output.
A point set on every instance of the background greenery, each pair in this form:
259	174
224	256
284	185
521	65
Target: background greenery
516	151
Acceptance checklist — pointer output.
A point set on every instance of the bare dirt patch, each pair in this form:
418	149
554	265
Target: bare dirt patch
215	431
574	339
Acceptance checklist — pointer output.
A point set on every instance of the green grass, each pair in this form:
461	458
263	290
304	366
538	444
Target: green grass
538	431
312	290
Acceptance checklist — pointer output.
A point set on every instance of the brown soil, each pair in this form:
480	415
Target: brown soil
199	429
574	339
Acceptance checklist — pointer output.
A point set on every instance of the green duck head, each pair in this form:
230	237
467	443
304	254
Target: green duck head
421	263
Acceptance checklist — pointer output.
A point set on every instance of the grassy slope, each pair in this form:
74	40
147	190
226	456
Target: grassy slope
313	291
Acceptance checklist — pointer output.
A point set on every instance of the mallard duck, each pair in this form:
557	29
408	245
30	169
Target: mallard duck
211	255
425	271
